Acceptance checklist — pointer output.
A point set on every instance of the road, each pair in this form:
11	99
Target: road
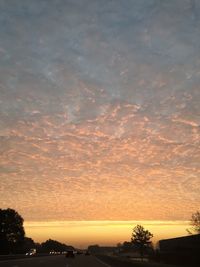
78	261
55	261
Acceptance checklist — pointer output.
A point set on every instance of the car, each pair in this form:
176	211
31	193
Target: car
87	253
70	254
31	252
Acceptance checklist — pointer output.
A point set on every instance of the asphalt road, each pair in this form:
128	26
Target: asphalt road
55	261
78	261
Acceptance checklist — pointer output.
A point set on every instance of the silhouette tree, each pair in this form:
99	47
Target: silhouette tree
141	238
119	247
127	246
195	222
11	231
53	245
28	244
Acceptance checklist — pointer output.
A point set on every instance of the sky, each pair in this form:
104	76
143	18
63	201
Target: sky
105	233
99	110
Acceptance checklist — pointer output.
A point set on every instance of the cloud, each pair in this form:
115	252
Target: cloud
100	110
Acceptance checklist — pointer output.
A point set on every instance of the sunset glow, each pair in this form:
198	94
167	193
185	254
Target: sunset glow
100	117
84	233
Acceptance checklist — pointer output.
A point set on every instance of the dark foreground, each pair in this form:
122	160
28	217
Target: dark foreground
54	261
123	262
78	261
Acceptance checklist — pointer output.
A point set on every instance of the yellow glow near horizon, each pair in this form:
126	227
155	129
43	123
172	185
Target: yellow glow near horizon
84	233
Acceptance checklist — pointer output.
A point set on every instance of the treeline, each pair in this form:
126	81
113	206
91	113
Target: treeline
45	247
13	239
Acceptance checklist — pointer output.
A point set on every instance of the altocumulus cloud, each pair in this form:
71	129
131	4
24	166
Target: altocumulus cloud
99	114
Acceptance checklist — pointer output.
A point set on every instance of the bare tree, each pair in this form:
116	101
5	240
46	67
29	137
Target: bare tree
195	223
141	238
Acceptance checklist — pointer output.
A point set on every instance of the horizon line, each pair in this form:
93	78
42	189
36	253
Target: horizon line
86	223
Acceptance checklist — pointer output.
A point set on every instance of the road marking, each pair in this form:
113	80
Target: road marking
105	264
